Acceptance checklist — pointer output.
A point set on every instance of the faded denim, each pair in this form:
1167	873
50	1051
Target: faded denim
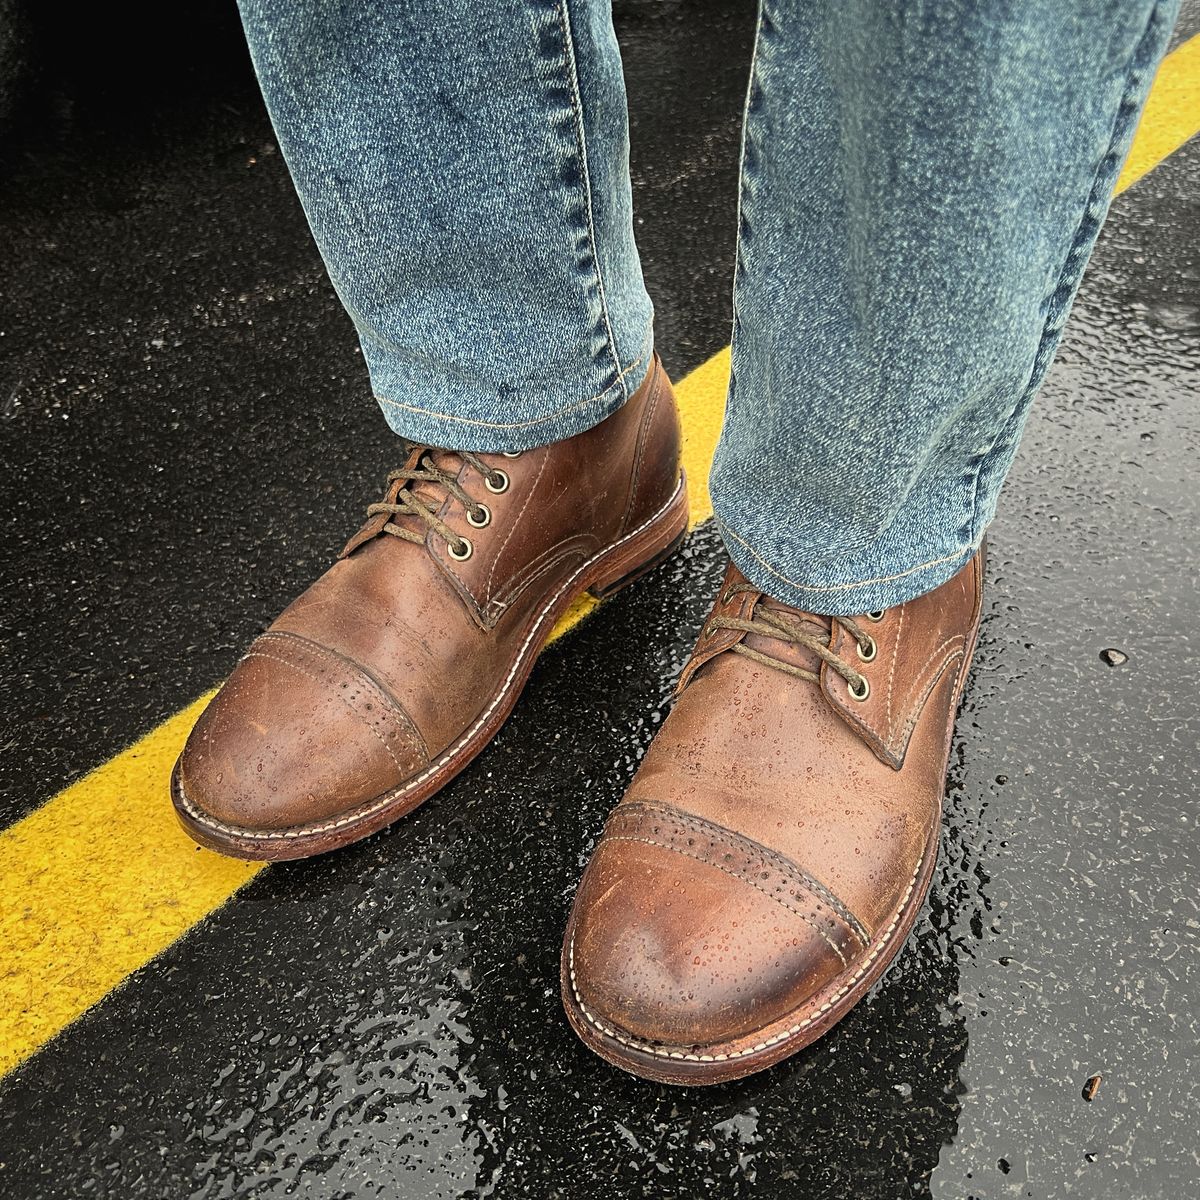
465	169
922	185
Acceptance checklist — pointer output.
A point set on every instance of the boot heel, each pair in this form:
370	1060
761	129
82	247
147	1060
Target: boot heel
602	592
653	545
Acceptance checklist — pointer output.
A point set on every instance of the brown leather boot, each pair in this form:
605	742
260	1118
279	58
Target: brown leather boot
776	844
396	668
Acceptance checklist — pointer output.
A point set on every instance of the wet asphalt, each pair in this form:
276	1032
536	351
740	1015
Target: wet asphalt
187	436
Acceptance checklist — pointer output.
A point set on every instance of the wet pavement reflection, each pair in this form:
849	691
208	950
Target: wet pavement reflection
385	1021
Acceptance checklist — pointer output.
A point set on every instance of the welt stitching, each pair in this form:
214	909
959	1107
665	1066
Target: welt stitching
808	918
302	831
316	679
680	1053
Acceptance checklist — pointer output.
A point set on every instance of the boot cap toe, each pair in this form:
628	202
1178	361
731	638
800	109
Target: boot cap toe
298	734
674	944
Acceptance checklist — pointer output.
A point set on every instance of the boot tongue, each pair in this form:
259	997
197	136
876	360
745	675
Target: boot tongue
426	489
431	493
791	653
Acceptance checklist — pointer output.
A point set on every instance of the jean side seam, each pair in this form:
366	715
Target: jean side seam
726	531
564	17
619	382
1050	332
735	323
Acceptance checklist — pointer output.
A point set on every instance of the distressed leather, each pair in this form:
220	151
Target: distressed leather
774	832
383	663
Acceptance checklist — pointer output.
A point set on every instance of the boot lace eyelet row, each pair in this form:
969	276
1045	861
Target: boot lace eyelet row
408	504
800	629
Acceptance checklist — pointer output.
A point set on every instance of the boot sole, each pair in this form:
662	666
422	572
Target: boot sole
699	1066
614	568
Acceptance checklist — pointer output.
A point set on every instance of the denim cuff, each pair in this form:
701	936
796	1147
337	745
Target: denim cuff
568	408
840	598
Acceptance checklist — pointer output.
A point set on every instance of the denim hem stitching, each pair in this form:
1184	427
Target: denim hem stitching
554	416
838	587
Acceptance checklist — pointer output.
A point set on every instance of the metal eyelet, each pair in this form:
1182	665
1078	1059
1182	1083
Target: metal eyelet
511	453
868	655
855	694
875	616
483	521
463	553
496	488
727	595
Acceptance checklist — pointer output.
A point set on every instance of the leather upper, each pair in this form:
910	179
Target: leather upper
384	662
776	826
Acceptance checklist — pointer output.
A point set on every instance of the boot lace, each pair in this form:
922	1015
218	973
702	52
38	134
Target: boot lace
800	630
408	504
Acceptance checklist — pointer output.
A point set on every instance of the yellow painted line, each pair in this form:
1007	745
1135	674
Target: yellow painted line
100	879
1171	115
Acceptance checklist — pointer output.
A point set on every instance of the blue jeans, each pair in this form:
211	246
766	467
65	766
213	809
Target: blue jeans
922	184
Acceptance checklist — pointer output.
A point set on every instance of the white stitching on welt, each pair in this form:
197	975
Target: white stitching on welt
662	1052
203	818
626	837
